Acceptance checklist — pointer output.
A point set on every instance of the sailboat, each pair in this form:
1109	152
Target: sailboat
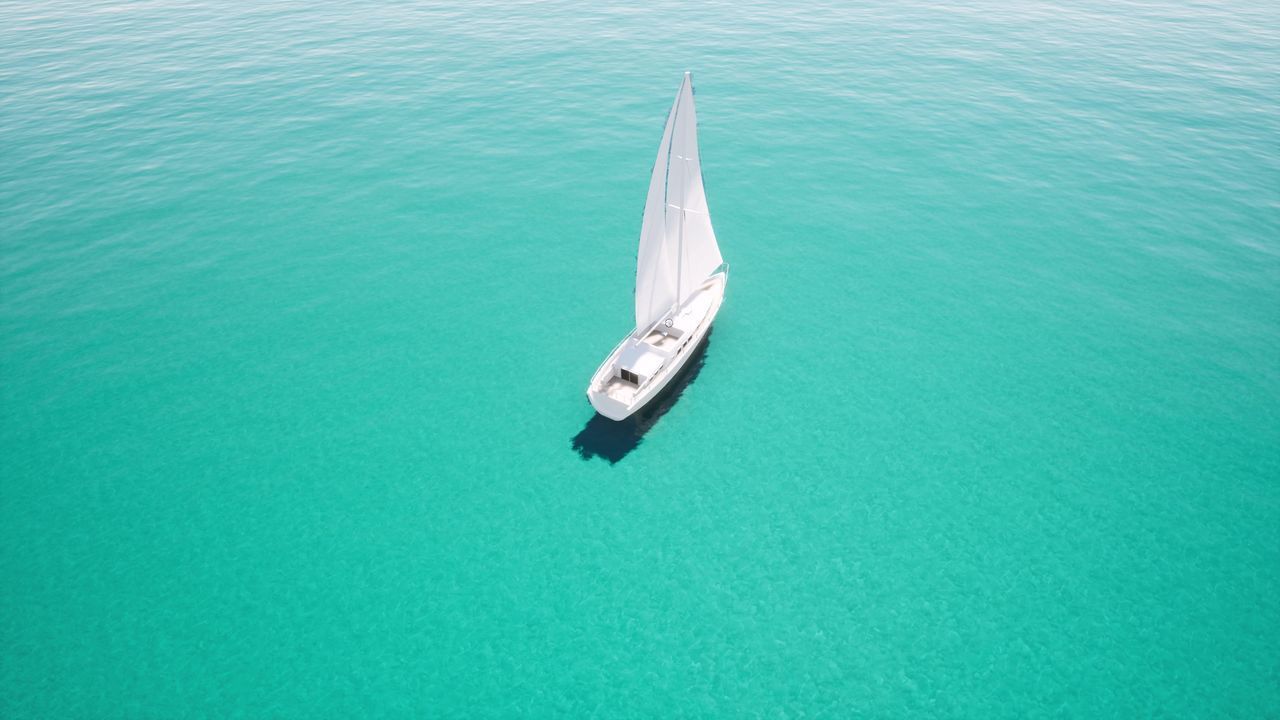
680	275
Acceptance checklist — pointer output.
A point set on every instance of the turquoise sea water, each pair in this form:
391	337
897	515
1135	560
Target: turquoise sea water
298	303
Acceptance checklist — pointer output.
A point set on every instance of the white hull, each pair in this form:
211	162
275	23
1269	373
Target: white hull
616	398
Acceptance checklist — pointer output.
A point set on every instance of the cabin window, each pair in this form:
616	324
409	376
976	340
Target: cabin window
630	377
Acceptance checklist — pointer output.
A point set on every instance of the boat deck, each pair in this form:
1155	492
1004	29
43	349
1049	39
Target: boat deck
661	349
621	390
662	341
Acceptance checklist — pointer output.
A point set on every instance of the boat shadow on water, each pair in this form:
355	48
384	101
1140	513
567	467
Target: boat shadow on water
614	440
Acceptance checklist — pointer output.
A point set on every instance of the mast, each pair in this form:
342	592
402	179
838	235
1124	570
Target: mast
680	250
684	181
666	190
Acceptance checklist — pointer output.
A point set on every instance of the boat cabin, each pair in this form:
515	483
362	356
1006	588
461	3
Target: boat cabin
639	361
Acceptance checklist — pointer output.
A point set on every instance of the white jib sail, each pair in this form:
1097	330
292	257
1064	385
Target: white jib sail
678	248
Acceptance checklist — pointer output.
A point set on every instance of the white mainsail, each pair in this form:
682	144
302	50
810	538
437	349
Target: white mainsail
678	247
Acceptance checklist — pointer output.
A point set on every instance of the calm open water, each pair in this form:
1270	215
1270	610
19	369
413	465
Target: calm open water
298	302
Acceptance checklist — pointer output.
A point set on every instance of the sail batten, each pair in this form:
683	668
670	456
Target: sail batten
678	249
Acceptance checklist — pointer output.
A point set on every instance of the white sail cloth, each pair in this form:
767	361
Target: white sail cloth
678	247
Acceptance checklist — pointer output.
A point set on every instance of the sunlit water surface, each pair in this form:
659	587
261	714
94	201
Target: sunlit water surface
298	302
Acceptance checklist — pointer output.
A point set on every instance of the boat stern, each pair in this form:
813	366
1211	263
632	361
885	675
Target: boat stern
607	406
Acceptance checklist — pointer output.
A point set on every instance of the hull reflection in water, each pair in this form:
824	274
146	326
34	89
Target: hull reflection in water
614	440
